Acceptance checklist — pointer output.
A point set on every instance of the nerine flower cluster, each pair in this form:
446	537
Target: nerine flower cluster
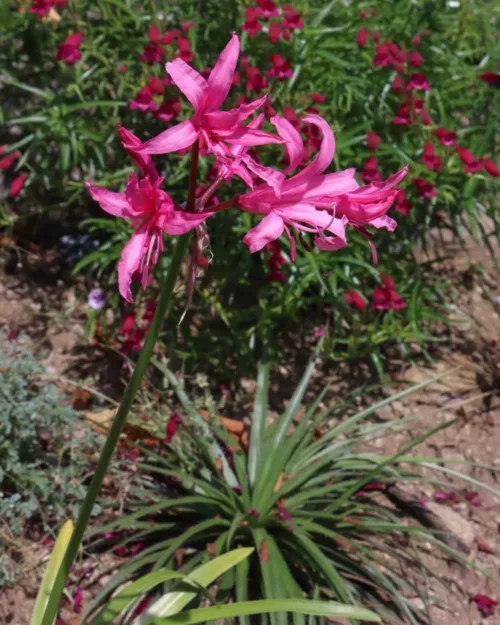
300	198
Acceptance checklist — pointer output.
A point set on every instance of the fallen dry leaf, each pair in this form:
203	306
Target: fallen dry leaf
263	552
484	547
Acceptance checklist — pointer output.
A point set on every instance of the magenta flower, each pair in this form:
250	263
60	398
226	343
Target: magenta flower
403	204
213	128
153	52
315	202
386	298
415	59
41	7
7	161
151	211
362	37
372	140
430	158
486	605
292	20
68	50
274	32
172	427
445	137
281	68
17	184
143	101
267	9
491	167
169	110
418	82
353	298
252	24
424	188
490	78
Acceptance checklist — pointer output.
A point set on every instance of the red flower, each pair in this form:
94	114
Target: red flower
153	52
143	101
317	98
363	14
491	78
415	59
415	42
362	37
281	68
467	157
474	167
425	189
41	7
252	24
187	26
292	19
370	173
172	427
169	37
491	167
403	204
156	85
17	185
429	157
274	32
385	297
122	69
290	114
169	110
127	324
267	9
418	82
387	53
375	36
372	140
486	605
353	298
256	81
68	50
398	84
403	117
185	51
7	161
445	137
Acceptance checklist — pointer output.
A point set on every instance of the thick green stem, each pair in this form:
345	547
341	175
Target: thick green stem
114	432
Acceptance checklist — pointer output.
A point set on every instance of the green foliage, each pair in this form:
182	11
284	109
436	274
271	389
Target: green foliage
65	120
298	492
44	460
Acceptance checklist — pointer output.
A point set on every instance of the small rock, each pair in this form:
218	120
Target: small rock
457	525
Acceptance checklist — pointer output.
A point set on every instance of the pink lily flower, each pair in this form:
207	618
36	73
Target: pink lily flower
300	196
151	211
315	202
209	125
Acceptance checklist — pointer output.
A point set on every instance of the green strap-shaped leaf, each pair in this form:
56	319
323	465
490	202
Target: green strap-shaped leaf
172	602
58	552
129	595
301	606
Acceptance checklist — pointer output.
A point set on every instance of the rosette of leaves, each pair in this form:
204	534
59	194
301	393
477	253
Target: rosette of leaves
301	494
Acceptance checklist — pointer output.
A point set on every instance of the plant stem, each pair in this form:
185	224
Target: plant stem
114	432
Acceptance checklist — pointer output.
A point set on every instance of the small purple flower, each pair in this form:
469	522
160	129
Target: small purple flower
96	299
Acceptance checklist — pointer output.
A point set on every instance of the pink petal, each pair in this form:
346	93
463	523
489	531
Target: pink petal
221	76
222	120
384	222
323	189
329	244
273	177
176	138
189	81
307	214
248	136
292	139
245	110
180	222
130	260
269	229
326	151
111	202
144	163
